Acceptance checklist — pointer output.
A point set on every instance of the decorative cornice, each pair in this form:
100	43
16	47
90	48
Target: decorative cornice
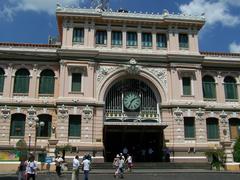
124	15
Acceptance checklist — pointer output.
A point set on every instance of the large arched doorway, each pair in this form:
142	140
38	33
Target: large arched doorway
132	121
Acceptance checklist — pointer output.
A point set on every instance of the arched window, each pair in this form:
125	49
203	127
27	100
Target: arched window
44	131
17	125
1	79
230	88
46	84
21	82
234	125
209	87
212	129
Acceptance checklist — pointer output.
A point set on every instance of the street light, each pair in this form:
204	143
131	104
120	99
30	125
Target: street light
34	120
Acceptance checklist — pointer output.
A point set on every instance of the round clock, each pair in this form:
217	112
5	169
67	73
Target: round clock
131	101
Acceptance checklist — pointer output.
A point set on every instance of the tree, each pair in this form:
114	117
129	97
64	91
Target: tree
21	149
236	150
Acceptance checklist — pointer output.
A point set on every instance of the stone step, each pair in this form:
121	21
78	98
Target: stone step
157	165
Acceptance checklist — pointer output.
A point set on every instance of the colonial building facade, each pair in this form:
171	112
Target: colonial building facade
120	79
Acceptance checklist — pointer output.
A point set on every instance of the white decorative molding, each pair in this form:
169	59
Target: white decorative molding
133	68
178	114
62	112
5	113
160	74
223	117
199	114
87	113
103	71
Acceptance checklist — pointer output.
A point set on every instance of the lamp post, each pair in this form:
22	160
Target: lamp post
38	125
33	120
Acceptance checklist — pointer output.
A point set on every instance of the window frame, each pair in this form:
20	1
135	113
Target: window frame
79	91
117	34
101	41
81	37
134	42
149	39
159	42
217	137
193	137
72	130
191	90
183	45
209	83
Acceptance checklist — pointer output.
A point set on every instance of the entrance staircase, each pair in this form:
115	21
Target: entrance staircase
153	165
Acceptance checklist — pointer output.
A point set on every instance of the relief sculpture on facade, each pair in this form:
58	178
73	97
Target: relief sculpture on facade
160	74
103	71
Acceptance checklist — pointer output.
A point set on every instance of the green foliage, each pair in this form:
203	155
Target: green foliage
216	157
21	149
236	150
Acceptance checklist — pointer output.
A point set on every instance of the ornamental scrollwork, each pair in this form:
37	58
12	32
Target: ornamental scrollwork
5	112
103	71
87	113
161	74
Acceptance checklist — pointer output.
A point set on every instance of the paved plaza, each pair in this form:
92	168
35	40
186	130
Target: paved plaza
145	176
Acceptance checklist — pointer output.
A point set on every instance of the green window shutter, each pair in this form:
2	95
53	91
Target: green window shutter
17	125
76	82
209	87
74	126
116	38
1	80
212	129
161	40
230	88
186	81
78	35
146	39
101	37
46	85
21	81
183	41
131	39
189	127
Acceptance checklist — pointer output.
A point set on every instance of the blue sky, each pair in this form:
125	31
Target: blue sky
32	21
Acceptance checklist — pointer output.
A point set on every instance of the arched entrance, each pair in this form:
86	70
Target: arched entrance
132	121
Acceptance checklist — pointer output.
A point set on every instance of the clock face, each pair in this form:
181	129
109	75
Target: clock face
131	101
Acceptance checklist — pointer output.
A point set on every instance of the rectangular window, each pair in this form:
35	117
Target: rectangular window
76	82
146	40
209	90
116	38
74	129
186	83
183	41
78	35
212	129
189	128
131	39
101	37
161	41
17	127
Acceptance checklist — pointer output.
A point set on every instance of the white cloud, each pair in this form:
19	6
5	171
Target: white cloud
11	7
234	47
215	11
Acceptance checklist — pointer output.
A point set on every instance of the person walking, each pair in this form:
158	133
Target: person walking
22	169
129	163
76	166
121	167
59	162
31	168
86	166
116	164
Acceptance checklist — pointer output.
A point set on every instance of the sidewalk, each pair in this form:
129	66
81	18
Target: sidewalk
137	171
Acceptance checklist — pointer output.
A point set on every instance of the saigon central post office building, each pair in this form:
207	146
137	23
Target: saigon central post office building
120	80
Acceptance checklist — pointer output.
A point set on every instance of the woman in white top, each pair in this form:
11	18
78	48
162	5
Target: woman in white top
31	168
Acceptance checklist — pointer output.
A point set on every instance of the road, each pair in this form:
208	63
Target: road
157	176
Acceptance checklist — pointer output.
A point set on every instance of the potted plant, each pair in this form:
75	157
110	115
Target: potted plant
217	158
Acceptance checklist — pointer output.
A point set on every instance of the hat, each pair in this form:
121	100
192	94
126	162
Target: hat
117	156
